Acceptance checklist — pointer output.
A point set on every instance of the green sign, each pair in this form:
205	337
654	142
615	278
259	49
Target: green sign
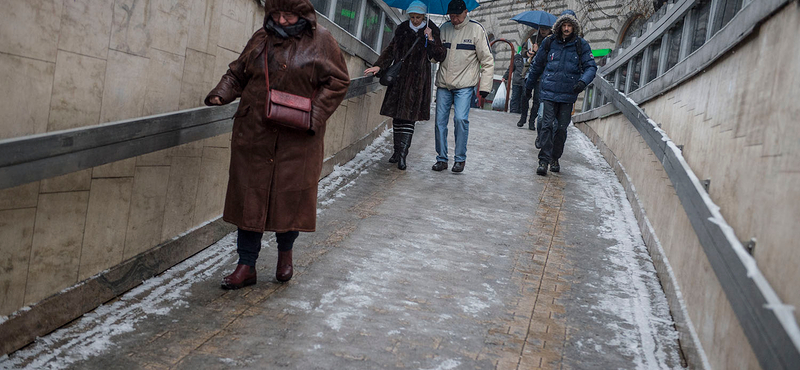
600	52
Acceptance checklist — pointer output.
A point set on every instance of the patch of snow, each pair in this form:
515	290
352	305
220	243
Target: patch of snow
632	293
473	305
345	175
448	364
93	333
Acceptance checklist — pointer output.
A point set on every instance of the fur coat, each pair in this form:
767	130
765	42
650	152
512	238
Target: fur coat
410	97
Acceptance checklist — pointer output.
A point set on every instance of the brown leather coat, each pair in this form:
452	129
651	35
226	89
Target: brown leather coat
274	170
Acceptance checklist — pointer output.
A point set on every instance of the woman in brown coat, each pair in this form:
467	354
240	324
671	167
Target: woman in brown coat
409	99
274	169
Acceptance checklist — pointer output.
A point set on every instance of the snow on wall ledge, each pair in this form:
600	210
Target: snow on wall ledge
768	323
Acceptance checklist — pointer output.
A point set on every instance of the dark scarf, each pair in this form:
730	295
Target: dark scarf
288	31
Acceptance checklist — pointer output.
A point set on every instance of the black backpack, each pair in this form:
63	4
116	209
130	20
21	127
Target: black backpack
578	48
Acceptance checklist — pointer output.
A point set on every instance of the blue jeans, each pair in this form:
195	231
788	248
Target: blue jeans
460	98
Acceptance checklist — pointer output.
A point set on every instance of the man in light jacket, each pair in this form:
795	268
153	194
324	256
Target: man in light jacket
468	59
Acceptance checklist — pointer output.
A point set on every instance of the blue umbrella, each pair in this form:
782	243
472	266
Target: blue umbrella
434	6
535	19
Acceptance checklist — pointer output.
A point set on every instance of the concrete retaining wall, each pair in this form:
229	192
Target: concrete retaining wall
80	63
737	124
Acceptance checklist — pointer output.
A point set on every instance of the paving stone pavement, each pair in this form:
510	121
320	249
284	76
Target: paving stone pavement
492	268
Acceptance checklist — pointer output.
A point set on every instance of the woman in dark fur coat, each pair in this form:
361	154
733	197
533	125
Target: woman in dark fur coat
409	99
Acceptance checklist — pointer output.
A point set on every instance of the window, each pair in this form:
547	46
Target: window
623	76
371	25
633	29
321	6
674	47
589	98
637	72
725	12
655	53
701	13
388	32
346	14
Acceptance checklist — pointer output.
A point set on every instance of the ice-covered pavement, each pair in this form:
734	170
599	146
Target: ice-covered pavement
493	268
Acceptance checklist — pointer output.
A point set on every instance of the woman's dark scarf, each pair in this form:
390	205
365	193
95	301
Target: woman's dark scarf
288	31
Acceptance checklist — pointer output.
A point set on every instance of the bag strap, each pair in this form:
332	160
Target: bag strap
266	69
410	50
266	63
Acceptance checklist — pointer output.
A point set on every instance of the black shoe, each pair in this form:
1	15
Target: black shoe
542	170
521	123
555	167
394	158
439	166
536	143
458	166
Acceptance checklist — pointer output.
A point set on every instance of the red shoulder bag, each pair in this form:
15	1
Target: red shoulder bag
285	109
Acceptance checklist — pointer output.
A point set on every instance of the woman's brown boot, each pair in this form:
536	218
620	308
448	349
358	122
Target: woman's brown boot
284	271
241	277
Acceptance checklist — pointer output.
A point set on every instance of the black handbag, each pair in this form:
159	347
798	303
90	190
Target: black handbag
391	74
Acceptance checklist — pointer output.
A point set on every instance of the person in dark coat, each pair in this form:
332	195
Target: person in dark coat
530	48
409	99
517	84
564	74
274	169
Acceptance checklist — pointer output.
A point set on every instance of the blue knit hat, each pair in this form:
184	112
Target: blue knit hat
417	7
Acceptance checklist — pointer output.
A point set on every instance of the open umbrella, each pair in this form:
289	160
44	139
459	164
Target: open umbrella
534	18
434	6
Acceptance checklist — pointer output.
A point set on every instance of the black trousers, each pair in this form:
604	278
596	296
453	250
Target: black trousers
248	244
553	134
518	98
534	108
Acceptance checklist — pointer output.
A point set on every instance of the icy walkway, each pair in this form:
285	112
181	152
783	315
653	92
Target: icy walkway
493	268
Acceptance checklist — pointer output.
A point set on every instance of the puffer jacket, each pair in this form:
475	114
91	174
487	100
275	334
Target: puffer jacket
559	69
468	57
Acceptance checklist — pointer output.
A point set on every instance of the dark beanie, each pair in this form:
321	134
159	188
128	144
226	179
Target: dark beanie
456	7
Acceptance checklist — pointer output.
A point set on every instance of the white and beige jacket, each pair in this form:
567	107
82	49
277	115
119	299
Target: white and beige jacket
468	56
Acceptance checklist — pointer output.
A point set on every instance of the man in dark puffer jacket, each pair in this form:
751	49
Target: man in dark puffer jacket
564	74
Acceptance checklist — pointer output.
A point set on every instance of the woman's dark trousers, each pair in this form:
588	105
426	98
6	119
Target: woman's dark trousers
534	108
517	97
403	131
248	244
553	134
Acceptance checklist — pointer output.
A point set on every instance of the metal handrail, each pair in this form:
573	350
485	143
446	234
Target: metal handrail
770	328
31	158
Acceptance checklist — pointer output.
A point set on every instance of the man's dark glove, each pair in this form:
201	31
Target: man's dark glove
484	94
578	87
